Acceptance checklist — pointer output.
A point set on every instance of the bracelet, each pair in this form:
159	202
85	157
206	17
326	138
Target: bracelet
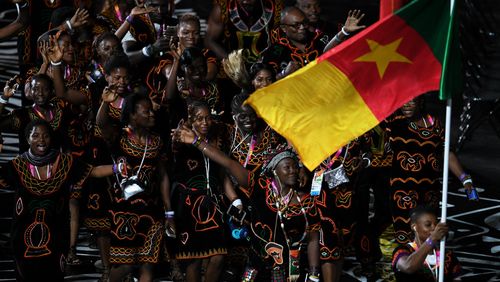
129	19
146	51
313	278
195	140
115	169
463	176
429	242
344	32
337	39
169	214
69	25
56	63
3	101
468	180
237	202
23	6
368	162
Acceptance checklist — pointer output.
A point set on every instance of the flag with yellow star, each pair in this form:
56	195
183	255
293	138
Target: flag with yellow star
351	88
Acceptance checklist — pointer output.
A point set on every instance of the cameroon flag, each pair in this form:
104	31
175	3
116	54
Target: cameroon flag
350	89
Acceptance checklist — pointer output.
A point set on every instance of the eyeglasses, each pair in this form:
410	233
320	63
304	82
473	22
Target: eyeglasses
304	24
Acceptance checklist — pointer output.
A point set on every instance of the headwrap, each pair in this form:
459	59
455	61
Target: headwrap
280	153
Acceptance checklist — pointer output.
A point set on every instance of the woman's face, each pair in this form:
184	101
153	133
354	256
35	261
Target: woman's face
189	34
262	79
202	121
39	140
106	48
287	171
246	119
65	44
424	226
411	108
40	91
144	116
197	71
118	78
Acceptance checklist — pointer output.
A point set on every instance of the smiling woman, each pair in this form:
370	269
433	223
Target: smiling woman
42	178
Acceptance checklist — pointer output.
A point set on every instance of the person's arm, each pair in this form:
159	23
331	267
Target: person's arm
351	25
185	135
215	29
412	263
313	255
9	90
72	96
171	74
137	10
18	25
165	187
102	118
457	169
101	171
138	54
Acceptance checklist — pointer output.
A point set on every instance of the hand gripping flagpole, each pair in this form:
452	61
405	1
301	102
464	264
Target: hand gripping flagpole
446	165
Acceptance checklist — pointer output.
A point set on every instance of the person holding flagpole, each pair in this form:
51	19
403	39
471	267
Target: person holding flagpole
419	260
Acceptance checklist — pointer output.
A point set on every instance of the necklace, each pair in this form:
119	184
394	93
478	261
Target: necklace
34	169
38	111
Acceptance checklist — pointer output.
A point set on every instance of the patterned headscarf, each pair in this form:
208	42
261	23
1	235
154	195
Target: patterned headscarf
276	156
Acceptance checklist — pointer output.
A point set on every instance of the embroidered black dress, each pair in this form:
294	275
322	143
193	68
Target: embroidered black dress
198	204
415	170
137	223
40	230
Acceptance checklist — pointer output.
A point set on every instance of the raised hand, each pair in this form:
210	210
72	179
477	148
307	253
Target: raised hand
352	22
439	232
139	10
109	94
80	18
43	48
183	134
11	86
54	51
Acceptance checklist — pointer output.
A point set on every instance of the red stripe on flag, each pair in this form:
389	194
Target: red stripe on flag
401	81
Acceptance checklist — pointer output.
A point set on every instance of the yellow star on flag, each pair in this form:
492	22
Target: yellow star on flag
383	55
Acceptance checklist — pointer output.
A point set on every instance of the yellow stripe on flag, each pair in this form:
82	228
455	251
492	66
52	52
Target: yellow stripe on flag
317	108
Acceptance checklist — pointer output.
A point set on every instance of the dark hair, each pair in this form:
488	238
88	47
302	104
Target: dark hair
257	67
237	102
193	106
419	211
60	15
130	105
35	123
189	18
116	61
45	77
102	37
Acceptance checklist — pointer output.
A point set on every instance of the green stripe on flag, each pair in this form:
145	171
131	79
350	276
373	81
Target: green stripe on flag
430	18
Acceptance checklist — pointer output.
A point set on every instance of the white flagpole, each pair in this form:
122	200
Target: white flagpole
444	199
446	169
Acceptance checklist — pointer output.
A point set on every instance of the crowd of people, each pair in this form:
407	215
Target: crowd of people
138	129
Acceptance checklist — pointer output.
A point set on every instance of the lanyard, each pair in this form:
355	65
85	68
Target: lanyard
250	150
